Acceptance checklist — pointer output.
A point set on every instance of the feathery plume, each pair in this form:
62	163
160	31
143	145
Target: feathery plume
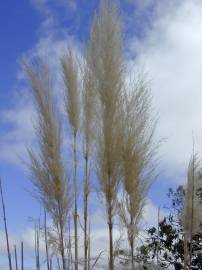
88	105
138	153
71	93
106	65
72	105
47	168
192	215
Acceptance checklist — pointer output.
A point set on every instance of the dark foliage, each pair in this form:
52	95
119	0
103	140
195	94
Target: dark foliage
165	244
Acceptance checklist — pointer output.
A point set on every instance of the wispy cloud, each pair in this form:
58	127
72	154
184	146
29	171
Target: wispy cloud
170	52
55	14
17	130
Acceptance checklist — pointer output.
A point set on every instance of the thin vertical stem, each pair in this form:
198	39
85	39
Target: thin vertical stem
111	246
61	238
75	203
131	235
192	208
46	242
37	247
50	264
89	247
111	256
86	193
16	258
110	222
132	241
132	253
70	261
185	251
22	256
62	248
5	226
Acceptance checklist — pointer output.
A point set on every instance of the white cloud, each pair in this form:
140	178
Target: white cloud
171	53
53	13
19	131
150	214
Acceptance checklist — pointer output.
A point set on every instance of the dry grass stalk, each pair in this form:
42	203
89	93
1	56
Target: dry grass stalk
72	105
88	102
69	246
138	152
105	63
72	92
16	258
85	213
89	248
46	242
192	216
47	167
37	252
22	256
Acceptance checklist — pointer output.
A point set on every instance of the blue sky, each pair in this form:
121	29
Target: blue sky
165	39
19	24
